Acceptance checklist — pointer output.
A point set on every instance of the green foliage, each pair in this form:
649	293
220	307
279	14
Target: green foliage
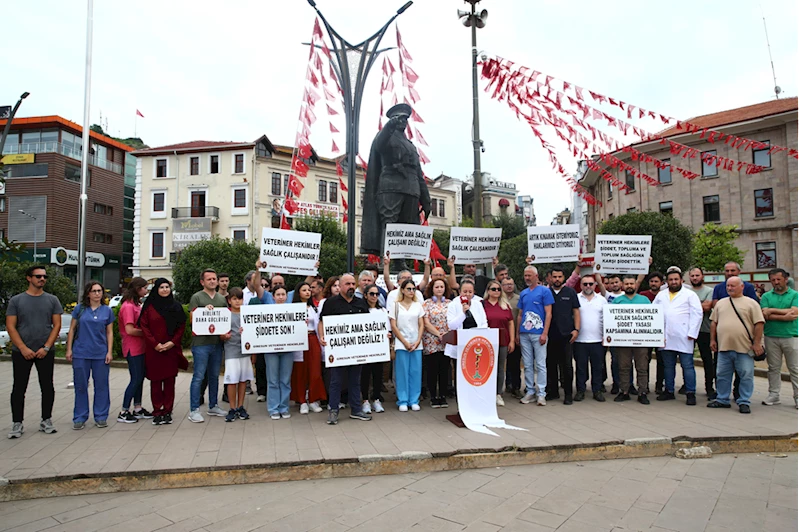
327	226
671	240
133	142
333	251
512	253
714	246
511	225
13	282
441	236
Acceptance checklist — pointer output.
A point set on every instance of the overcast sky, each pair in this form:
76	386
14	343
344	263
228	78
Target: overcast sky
202	70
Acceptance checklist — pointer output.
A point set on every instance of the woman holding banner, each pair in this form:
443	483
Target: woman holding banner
407	324
466	312
375	369
435	327
500	316
307	387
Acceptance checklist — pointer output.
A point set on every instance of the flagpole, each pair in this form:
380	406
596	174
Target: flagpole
135	123
84	167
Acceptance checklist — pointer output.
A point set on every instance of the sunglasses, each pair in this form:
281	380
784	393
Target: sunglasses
494	289
40	276
589	284
373	294
410	288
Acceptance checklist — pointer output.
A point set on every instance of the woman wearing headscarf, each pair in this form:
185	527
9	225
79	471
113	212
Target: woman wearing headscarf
162	322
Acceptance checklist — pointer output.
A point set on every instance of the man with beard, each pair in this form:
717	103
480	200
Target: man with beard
563	333
705	295
626	355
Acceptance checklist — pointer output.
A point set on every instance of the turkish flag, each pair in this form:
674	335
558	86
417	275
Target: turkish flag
138	113
304	151
299	167
295	185
291	206
284	223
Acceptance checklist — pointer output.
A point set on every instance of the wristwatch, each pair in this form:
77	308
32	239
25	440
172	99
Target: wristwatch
46	348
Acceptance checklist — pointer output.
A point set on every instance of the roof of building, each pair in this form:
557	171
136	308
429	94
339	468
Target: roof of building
740	114
194	145
55	120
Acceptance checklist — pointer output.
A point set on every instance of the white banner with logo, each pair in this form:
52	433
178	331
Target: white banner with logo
206	322
355	339
622	254
474	244
478	363
633	326
408	241
274	328
289	252
553	243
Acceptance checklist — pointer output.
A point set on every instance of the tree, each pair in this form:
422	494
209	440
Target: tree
13	282
511	225
714	247
671	240
512	253
441	236
234	257
333	250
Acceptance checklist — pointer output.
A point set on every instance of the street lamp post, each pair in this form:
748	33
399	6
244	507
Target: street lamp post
35	235
352	84
84	164
10	118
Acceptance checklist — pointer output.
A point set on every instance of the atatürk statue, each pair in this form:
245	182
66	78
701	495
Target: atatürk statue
395	186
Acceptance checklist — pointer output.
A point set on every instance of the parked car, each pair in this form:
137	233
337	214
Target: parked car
115	301
66	320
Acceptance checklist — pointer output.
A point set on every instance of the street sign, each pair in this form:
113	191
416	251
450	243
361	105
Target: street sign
5	112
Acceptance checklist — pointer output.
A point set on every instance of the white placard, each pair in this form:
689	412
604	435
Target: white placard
554	243
473	244
289	252
355	339
622	254
632	326
408	241
206	322
274	328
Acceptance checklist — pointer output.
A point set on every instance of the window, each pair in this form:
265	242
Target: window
240	198
764	203
261	151
214	166
239	234
631	210
108	239
160	168
157	245
333	192
711	208
766	255
159	205
629	180
709	170
72	173
441	203
109	210
102	238
360	200
762	157
666	207
2	205
99	208
434	208
29	170
285	183
194	166
2	234
610	190
664	173
275	183
611	216
322	191
238	163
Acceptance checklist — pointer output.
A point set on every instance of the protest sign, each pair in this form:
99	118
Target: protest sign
408	241
632	326
274	328
554	243
206	322
474	245
355	339
622	254
289	252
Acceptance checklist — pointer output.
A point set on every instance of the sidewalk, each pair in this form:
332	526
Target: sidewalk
260	440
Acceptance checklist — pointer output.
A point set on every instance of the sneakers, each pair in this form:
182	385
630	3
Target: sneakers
101	423
126	417
711	395
361	416
342	406
285	415
216	411
366	407
195	416
683	390
142	414
568	400
690	399
378	407
666	396
403	408
248	390
621	397
772	400
158	420
614	389
552	396
744	409
541	401
500	401
527	399
332	417
46	426
241	413
16	430
643	399
443	403
231	416
416	408
633	390
599	396
717	404
315	407
78	425
579	396
275	416
261	399
166	419
304	408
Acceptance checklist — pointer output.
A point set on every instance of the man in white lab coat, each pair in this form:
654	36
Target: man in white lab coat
682	314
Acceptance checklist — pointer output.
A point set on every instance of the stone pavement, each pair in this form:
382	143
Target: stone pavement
747	492
144	447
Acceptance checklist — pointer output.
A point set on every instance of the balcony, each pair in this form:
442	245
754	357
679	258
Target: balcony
71	151
196	212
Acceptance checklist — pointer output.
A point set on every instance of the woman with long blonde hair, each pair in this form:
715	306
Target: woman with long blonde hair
500	316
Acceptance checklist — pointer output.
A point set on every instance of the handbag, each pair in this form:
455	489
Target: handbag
752	354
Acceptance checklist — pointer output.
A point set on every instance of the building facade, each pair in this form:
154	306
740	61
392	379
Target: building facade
499	197
525	203
43	159
762	205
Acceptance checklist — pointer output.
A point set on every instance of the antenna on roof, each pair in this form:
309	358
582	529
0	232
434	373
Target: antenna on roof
777	89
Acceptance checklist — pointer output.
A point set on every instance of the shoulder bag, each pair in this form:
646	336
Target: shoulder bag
752	354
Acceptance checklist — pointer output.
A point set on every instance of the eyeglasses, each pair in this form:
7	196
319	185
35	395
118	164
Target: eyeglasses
98	291
375	294
494	289
589	284
40	276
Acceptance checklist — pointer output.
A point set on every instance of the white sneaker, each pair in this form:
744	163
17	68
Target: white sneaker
542	401
261	399
342	406
286	415
403	408
315	407
527	399
16	430
416	408
216	411
195	416
500	401
378	406
366	408
275	416
772	400
304	408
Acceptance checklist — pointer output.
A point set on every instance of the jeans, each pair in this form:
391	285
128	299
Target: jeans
744	365
688	371
513	372
559	361
134	390
278	377
373	372
437	374
408	376
22	373
337	376
614	366
207	361
776	348
82	369
708	360
534	356
593	353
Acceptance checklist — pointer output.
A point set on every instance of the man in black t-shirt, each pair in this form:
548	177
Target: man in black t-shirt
562	334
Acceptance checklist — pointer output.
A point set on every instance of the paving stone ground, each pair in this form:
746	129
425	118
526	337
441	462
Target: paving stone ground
142	446
747	492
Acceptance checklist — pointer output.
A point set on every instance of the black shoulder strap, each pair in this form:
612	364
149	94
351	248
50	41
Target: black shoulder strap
742	321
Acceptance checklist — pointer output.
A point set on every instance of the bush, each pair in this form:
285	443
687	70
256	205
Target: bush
13	282
714	246
511	225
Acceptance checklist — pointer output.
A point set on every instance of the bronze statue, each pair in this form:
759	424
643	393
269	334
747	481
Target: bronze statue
395	186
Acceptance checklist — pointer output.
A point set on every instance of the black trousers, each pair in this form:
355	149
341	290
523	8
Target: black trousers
22	374
513	371
559	360
708	359
437	365
260	375
374	372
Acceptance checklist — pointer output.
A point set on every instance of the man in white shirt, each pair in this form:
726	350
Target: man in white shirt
588	346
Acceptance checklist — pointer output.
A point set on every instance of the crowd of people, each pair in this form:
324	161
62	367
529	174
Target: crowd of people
550	340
